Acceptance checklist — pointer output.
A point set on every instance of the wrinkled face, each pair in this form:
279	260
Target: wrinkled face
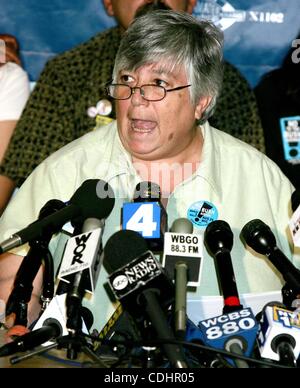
125	10
156	130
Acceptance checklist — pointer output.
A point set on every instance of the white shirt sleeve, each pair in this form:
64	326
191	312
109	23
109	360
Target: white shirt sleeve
14	91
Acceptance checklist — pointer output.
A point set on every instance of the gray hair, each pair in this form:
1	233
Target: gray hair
177	39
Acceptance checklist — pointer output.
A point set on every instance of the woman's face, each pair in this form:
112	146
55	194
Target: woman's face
156	130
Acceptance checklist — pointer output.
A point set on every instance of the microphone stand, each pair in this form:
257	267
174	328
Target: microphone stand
75	341
181	279
21	294
78	342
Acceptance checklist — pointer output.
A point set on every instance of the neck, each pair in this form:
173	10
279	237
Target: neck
170	172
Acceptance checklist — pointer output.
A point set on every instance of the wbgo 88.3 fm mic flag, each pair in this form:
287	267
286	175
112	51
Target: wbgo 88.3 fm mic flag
139	282
83	204
182	259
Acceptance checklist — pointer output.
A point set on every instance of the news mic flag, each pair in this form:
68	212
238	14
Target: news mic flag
220	331
81	254
187	248
143	288
279	326
146	215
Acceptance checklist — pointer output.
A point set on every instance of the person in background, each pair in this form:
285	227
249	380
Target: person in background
69	98
14	92
14	89
278	99
168	65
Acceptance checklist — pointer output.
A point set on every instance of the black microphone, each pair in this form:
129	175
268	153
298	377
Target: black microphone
139	282
23	284
218	238
51	329
147	215
83	204
259	237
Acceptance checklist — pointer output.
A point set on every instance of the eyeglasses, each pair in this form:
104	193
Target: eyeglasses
148	92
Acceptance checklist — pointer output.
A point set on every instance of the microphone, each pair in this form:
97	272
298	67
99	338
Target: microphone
294	223
83	204
139	282
21	293
279	337
51	329
218	239
82	261
146	215
259	237
57	310
182	260
235	330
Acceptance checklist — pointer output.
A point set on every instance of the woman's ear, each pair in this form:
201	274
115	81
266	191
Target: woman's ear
202	106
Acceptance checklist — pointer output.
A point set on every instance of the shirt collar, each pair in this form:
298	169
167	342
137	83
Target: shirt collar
120	159
209	169
210	165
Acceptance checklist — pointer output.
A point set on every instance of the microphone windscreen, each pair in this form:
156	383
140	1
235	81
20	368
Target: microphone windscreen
95	198
182	225
258	236
147	190
218	234
52	206
121	248
251	228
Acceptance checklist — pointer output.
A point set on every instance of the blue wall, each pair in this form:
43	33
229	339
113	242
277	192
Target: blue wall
258	33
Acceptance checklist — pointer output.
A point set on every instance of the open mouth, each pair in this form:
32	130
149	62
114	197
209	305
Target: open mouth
143	126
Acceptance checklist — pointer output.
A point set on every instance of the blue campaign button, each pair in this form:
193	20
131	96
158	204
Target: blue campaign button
202	213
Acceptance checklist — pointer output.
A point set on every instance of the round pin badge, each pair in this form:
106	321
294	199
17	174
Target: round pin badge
92	112
202	213
104	107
